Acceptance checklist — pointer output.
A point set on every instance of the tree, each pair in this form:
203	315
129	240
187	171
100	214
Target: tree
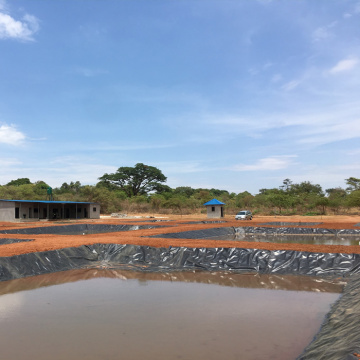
322	202
280	200
306	188
184	190
353	200
136	180
353	184
18	182
287	183
337	198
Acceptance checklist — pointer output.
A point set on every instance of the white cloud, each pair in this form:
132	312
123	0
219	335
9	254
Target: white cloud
267	164
322	33
344	65
354	152
276	78
291	85
9	162
23	29
9	135
332	132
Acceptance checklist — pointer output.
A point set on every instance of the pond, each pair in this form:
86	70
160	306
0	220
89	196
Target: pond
78	229
120	314
297	239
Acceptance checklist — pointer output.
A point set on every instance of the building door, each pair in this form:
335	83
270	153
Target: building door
17	213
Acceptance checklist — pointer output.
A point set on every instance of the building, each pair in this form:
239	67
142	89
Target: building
215	209
32	210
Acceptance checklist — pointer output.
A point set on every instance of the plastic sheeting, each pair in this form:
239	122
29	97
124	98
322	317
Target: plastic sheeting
198	234
205	222
338	338
284	223
208	233
298	230
78	229
4	241
175	258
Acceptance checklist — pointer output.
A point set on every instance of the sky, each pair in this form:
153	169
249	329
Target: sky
226	94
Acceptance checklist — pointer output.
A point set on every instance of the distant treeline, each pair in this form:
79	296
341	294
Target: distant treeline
289	198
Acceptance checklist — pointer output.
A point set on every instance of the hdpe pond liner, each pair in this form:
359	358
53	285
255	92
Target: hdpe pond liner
4	241
78	229
248	230
339	337
284	223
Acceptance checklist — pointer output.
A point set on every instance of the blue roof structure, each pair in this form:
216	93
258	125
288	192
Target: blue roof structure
49	201
214	202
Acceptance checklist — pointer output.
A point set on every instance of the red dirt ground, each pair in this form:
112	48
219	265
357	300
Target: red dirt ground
177	224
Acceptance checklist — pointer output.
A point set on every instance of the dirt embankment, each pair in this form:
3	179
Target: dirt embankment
172	224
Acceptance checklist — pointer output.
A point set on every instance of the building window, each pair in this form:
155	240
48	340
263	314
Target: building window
213	208
94	209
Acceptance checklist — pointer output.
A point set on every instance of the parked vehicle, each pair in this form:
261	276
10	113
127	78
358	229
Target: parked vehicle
243	215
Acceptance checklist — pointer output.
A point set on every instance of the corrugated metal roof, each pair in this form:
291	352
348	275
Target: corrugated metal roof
214	202
49	201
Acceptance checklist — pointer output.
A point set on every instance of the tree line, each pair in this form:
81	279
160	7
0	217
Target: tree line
142	189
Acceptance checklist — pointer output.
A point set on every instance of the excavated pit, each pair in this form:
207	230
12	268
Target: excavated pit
114	313
272	235
343	315
78	229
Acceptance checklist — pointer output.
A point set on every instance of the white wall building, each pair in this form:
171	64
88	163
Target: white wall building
32	210
215	209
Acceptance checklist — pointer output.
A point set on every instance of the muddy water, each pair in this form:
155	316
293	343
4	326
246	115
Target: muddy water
102	314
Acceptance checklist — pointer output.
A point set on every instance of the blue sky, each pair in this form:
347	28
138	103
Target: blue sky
227	94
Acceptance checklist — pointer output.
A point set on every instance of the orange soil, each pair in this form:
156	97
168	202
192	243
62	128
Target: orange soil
177	224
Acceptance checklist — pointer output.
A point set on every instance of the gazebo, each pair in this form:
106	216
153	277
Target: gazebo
215	209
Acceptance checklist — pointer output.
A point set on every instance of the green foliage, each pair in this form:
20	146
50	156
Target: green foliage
137	180
73	187
353	184
322	202
19	182
279	200
305	187
142	189
353	200
184	190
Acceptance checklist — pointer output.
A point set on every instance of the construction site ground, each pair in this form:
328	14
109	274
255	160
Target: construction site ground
171	224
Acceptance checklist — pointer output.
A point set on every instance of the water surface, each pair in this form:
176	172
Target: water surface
110	314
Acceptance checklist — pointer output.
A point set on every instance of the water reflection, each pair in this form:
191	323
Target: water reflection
110	314
222	278
300	239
